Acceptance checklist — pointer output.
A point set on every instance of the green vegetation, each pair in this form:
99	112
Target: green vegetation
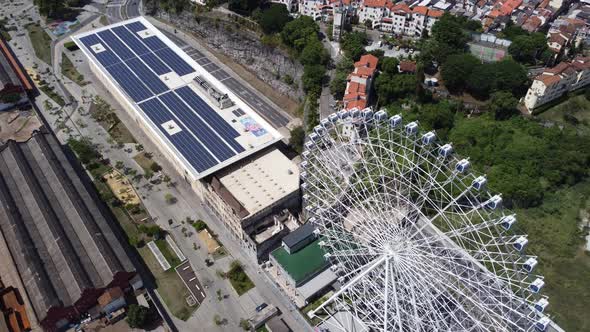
463	72
71	46
50	92
338	84
41	42
137	315
556	238
297	139
527	48
273	18
170	286
573	113
168	253
353	44
200	225
238	278
69	71
105	115
4	30
169	6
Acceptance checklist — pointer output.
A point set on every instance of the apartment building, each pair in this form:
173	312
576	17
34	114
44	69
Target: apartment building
555	82
398	18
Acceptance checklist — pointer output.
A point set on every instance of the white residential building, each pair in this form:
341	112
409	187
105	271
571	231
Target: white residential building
555	82
290	4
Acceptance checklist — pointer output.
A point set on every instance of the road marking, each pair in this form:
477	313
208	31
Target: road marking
193	278
202	294
186	267
197	285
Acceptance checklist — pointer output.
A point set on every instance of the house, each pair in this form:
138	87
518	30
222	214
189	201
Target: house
407	67
554	82
360	81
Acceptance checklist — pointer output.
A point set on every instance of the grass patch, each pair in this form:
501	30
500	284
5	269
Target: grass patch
50	92
168	253
574	112
41	42
142	160
312	306
238	278
104	114
170	287
557	239
69	71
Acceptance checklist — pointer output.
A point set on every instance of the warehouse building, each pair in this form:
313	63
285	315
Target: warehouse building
221	146
190	115
59	239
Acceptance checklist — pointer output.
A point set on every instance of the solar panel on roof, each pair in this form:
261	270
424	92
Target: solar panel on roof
122	51
137	58
131	40
206	112
183	141
174	61
147	76
135	26
155	64
106	57
208	137
129	83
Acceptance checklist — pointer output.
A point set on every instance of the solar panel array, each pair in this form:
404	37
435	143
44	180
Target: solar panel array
136	63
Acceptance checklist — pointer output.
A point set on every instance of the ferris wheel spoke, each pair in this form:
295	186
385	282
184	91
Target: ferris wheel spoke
418	241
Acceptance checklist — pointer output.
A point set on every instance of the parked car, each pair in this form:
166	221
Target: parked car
260	307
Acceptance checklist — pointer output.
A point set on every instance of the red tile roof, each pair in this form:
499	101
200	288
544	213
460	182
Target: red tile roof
435	13
360	104
401	8
367	60
407	66
374	3
548	80
422	10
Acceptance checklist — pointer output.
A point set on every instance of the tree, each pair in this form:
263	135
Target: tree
297	33
274	18
346	65
297	139
456	69
338	84
392	87
503	105
353	44
480	81
314	53
528	48
510	76
137	315
170	199
155	167
389	65
51	8
312	78
449	30
243	7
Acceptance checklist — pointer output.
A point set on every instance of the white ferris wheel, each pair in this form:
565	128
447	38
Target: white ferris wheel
416	238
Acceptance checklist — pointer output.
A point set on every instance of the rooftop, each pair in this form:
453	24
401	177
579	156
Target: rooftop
303	263
263	181
61	242
298	235
169	91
